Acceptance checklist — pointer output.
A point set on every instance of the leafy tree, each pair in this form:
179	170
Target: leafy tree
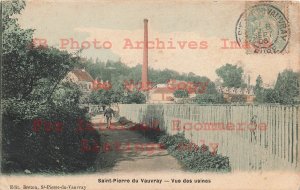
210	96
25	67
121	72
101	97
231	75
181	94
258	85
15	39
32	89
69	92
135	97
286	90
43	67
287	87
118	93
258	90
269	96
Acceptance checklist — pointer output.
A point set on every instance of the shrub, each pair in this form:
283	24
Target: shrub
194	158
42	151
181	94
238	98
209	98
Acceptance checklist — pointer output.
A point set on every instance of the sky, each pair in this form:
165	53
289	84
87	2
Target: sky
118	23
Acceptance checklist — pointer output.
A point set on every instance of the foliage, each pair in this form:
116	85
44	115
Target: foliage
15	39
211	95
231	75
121	72
194	158
238	98
45	151
33	90
69	92
181	94
107	97
27	66
258	85
287	87
209	99
286	90
258	90
101	97
135	97
43	67
117	73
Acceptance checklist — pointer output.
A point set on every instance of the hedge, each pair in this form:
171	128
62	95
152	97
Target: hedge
193	157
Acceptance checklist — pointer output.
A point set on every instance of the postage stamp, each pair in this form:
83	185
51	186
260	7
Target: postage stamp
263	28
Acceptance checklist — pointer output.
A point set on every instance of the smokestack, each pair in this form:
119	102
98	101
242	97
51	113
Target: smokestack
145	57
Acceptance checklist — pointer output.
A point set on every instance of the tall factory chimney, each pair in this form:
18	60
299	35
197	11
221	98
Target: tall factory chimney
145	58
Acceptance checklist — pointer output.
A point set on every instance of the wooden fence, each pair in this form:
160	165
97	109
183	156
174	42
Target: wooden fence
254	137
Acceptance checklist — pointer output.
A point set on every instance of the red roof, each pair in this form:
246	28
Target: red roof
82	75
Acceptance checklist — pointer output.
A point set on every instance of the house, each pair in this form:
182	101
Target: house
248	91
164	93
231	94
239	91
84	80
225	90
232	90
161	95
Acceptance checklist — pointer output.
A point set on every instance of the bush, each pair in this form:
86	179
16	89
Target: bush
26	148
238	99
209	98
181	94
194	158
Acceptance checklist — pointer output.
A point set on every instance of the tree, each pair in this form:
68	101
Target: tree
286	90
258	90
258	85
231	75
26	67
118	93
287	87
68	92
210	96
181	94
269	96
101	97
32	89
135	97
14	38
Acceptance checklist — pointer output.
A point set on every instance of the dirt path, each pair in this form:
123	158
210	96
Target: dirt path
129	151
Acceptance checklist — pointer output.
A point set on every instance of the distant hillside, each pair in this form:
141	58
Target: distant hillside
118	72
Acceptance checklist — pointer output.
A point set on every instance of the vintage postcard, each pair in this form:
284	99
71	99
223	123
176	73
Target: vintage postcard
150	94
